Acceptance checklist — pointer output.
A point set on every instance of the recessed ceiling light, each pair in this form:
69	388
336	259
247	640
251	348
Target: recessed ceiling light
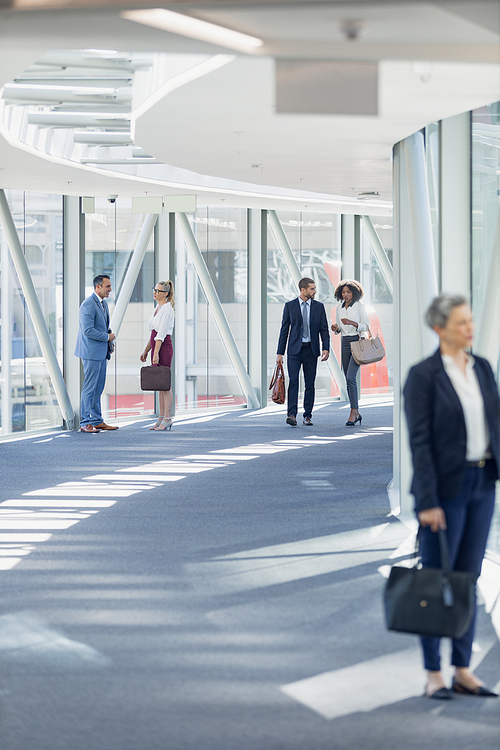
194	28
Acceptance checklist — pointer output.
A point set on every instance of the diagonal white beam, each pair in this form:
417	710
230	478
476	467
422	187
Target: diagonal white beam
291	263
488	339
35	311
379	252
132	273
423	245
217	310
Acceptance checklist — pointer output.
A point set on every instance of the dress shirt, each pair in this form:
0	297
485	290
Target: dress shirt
307	303
101	303
471	399
162	321
357	312
99	300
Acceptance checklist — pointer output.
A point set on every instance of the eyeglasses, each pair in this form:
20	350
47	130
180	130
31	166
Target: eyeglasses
159	291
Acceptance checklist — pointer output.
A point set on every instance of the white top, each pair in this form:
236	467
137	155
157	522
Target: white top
162	321
471	399
357	312
307	303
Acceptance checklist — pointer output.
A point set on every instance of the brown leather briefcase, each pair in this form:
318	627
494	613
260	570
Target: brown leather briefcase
155	378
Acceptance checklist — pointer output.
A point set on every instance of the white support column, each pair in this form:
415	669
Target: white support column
164	246
132	273
217	311
284	246
257	302
379	252
35	311
455	204
73	293
423	246
180	326
488	331
350	243
6	337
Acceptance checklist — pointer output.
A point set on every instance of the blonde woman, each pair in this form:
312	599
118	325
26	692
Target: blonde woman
161	325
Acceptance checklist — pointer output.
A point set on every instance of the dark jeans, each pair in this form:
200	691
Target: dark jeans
468	519
350	369
309	363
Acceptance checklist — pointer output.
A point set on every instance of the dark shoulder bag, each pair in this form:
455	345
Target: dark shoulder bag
435	602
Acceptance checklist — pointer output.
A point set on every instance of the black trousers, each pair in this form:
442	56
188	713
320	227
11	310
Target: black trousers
309	363
350	369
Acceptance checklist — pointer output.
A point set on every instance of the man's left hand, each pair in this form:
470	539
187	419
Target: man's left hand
324	355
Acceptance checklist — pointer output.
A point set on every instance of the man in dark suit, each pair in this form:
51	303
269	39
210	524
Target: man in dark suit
304	323
94	346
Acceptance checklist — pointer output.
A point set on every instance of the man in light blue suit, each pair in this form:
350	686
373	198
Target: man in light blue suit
94	347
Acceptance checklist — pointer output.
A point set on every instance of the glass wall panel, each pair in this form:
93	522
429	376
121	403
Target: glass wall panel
378	377
315	242
111	235
204	374
27	395
485	227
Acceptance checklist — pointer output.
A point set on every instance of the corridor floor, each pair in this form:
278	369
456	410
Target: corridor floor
216	587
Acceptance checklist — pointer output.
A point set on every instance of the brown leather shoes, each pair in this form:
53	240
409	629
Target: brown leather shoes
104	426
88	428
307	421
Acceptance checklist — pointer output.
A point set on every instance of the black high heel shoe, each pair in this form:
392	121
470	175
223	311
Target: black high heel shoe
351	424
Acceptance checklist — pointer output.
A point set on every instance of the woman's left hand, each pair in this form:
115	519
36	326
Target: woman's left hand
156	359
348	322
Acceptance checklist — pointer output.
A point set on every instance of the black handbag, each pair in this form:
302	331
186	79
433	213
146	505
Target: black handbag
155	378
435	602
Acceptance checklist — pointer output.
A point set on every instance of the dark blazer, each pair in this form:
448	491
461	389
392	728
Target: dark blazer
291	328
436	425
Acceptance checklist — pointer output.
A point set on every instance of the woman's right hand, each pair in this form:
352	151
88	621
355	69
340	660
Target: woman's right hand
335	327
433	517
143	357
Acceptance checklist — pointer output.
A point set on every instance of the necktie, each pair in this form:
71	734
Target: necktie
305	325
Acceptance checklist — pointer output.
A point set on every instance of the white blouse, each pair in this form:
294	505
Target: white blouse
471	399
357	312
162	321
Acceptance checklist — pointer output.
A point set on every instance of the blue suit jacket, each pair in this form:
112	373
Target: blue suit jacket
92	340
291	328
436	424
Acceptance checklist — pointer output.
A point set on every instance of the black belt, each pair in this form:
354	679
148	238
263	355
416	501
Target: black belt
476	464
306	343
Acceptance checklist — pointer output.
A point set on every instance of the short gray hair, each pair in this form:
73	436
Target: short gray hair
441	307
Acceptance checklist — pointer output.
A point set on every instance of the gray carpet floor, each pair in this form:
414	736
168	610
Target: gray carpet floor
215	587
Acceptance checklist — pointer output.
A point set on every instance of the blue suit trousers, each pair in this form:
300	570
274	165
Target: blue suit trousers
94	371
468	519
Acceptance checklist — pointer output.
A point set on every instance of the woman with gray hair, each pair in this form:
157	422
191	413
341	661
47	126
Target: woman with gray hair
452	408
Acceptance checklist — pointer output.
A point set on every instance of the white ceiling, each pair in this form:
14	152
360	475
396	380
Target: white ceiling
221	133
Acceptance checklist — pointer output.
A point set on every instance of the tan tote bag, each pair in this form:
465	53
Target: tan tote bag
367	351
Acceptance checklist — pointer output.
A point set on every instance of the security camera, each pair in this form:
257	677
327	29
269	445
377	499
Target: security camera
112	198
352	29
